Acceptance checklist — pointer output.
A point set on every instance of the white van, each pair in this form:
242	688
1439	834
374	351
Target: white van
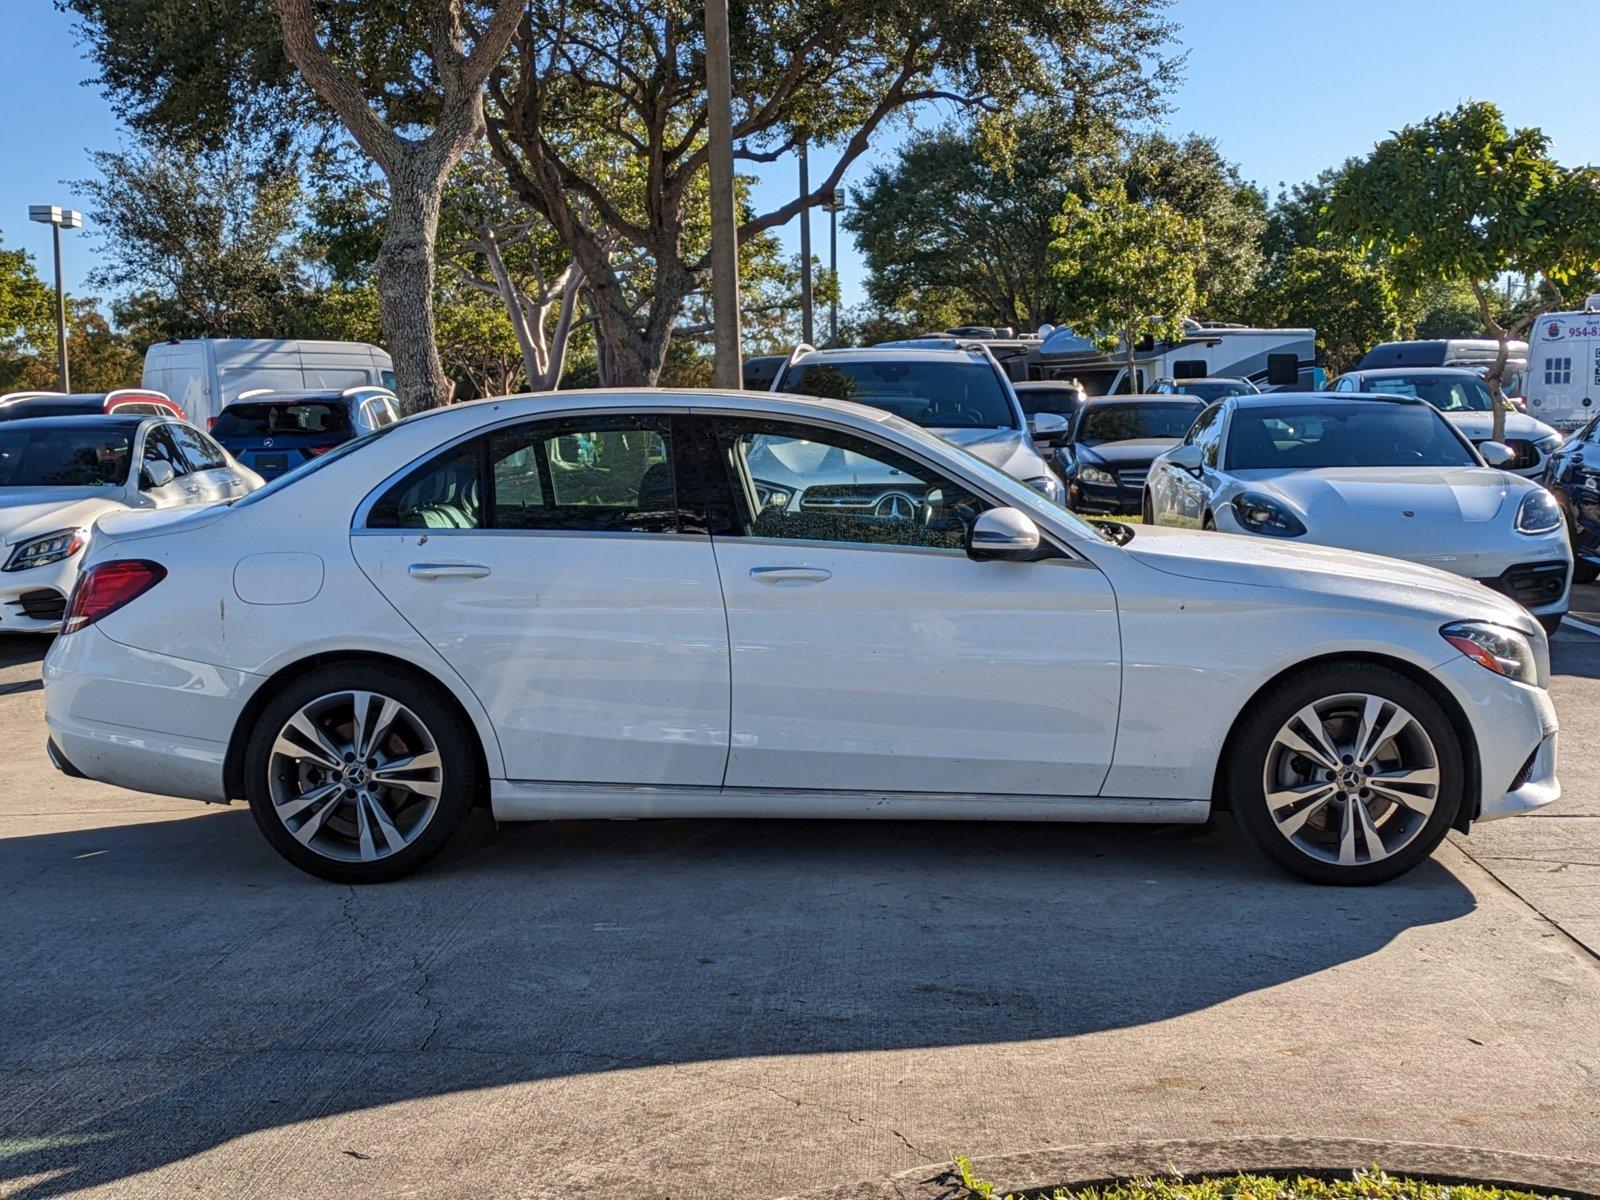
203	374
1563	378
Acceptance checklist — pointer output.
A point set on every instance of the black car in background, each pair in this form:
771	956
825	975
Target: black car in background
273	432
1111	444
1572	473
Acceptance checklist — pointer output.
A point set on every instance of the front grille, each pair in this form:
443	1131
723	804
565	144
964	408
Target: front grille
1134	477
1525	453
1531	584
853	497
42	604
1526	773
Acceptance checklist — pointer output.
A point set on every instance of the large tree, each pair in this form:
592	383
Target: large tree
1125	267
964	213
599	115
1461	196
27	318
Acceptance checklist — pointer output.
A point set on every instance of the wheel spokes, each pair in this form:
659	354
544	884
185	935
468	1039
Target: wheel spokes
1374	733
302	739
1311	799
1314	742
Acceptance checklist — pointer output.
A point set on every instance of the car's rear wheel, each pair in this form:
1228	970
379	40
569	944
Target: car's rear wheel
359	772
1346	774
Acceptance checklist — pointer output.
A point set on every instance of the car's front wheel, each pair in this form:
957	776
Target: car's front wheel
1346	774
359	772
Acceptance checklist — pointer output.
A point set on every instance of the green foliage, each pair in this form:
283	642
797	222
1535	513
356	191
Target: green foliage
1125	268
1370	1184
27	317
1351	304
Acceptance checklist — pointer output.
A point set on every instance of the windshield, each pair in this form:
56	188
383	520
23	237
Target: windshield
82	456
1036	400
1213	391
312	465
1125	422
1304	436
268	419
936	395
1447	393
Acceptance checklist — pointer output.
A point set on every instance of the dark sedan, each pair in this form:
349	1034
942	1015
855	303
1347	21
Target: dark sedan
1110	446
1572	474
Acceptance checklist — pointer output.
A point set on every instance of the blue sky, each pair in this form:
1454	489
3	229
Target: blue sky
1286	88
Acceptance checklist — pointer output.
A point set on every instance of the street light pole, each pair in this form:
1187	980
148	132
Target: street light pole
807	323
835	205
724	230
58	218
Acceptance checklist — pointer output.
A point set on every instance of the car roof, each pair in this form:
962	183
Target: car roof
297	397
1279	399
84	421
889	354
1431	372
1050	385
1207	379
1143	398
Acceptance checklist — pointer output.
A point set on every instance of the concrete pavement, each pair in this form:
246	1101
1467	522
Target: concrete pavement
696	1009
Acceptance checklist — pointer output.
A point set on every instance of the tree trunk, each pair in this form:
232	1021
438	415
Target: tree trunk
405	285
1133	371
562	334
528	341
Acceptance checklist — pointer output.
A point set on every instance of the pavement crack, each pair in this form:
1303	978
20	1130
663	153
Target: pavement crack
423	993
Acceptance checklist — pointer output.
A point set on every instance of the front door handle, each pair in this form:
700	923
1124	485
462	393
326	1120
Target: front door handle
447	570
790	576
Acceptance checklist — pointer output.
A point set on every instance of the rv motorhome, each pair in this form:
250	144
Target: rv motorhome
1562	381
1280	357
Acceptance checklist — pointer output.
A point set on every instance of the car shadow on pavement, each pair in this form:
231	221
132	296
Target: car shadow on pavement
171	985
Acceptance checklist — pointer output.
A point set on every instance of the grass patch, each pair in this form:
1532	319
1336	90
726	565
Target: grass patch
1371	1184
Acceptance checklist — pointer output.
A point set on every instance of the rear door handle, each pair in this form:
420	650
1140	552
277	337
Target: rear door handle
790	576
447	570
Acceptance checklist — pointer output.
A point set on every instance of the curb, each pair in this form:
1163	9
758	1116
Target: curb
1100	1162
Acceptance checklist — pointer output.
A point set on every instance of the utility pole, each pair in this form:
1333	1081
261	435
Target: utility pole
807	324
724	230
58	218
835	205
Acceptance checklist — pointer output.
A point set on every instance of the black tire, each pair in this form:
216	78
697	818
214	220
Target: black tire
1208	523
1147	510
1584	571
1551	623
1246	766
452	736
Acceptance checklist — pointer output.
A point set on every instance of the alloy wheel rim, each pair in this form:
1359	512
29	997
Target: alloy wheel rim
1351	779
355	776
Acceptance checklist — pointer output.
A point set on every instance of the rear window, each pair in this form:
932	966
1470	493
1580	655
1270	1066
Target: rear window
1447	393
82	455
1126	422
935	395
266	420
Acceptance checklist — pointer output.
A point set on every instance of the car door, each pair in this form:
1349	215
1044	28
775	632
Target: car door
1178	497
551	563
870	653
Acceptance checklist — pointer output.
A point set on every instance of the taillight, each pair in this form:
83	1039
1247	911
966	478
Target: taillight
106	587
315	451
211	422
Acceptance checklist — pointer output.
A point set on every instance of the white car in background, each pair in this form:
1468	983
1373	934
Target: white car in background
1461	395
58	475
581	605
1386	474
959	393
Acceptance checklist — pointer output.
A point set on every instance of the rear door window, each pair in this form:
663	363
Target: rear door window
201	453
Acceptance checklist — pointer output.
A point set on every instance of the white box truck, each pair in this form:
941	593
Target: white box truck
1563	375
203	374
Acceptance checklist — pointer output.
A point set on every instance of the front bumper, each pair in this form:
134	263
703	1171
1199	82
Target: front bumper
141	720
1120	499
1515	729
35	600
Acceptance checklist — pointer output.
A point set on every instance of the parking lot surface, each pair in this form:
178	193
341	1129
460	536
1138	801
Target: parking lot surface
718	1008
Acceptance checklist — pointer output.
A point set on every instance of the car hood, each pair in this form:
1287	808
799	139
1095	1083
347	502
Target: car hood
1373	496
29	512
1135	450
1325	570
1011	450
1479	426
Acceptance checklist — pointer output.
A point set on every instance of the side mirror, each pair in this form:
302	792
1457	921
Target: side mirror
1003	534
157	474
1186	457
1048	426
1497	454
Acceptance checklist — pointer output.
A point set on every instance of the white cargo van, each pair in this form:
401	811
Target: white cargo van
203	374
1563	377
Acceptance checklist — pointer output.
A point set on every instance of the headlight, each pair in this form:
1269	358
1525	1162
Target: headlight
1262	514
1495	648
1549	444
770	495
1098	476
51	548
1046	485
1538	513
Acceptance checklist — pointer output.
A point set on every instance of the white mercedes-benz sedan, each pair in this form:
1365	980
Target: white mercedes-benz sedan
1384	474
59	474
589	604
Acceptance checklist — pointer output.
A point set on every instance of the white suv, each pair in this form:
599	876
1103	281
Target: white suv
961	394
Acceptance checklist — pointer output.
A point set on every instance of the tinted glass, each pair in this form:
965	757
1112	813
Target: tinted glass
264	420
1047	400
815	484
937	395
1446	393
159	446
82	456
201	453
1212	391
1342	435
1125	422
607	475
